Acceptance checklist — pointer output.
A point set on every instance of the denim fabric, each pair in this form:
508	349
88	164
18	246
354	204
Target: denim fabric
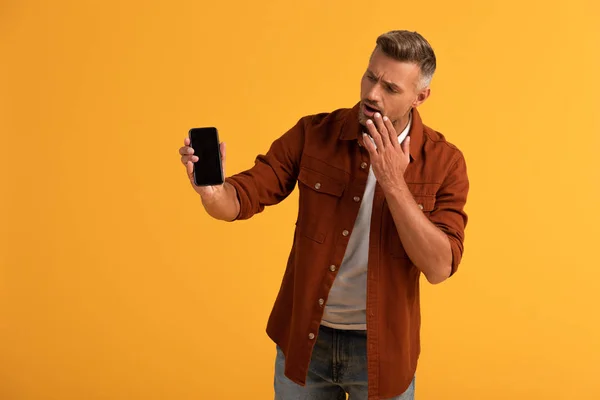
338	366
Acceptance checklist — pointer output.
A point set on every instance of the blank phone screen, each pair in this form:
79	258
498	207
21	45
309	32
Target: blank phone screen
207	170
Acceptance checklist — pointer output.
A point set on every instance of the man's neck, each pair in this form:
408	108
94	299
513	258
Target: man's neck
401	124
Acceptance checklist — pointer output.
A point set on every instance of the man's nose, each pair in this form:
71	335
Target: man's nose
374	94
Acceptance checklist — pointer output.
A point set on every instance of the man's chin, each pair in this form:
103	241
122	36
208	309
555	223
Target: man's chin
362	119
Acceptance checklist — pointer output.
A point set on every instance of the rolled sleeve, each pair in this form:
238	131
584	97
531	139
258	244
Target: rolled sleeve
449	214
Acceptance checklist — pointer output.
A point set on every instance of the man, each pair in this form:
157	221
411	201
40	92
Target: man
381	202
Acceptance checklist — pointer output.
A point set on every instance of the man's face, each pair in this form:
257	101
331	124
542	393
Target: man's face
392	88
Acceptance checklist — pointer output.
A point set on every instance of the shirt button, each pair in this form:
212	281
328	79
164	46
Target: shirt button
332	268
356	199
363	165
421	206
317	186
345	232
321	302
311	336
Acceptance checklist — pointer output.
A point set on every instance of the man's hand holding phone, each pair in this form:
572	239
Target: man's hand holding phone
220	199
188	158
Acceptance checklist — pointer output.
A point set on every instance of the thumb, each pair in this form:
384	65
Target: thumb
223	150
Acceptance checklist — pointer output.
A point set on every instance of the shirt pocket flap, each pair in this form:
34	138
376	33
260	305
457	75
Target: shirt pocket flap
425	202
321	183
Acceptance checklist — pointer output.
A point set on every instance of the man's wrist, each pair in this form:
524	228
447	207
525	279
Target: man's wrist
397	189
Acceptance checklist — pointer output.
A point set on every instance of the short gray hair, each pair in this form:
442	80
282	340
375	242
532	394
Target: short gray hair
411	47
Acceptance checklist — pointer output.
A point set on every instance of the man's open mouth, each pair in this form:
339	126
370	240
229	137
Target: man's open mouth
370	109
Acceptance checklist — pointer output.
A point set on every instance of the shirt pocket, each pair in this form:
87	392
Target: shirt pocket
426	204
320	195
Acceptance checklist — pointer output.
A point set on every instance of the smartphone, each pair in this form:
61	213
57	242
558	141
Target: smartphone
208	170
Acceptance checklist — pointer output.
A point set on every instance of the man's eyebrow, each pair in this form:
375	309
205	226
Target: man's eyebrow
390	84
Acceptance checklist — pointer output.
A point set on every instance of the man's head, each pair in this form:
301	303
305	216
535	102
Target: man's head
397	78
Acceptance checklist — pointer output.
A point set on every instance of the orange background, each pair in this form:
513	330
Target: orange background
114	284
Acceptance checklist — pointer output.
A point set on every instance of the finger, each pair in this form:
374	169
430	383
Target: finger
374	134
368	143
382	129
185	159
393	135
185	150
190	170
186	141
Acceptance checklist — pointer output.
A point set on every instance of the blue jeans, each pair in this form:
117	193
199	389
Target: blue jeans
338	366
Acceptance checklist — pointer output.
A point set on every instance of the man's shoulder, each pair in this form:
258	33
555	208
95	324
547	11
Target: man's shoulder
326	119
436	142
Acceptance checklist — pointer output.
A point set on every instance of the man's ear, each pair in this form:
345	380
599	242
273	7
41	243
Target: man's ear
421	97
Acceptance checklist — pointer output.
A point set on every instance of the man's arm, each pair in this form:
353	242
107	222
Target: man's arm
271	179
434	245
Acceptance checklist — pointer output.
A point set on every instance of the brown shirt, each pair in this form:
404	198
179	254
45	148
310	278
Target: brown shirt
322	154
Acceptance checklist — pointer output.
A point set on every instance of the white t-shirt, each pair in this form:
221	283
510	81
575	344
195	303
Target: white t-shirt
346	305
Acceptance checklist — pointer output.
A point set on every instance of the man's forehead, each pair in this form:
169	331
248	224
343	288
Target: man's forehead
392	71
387	76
